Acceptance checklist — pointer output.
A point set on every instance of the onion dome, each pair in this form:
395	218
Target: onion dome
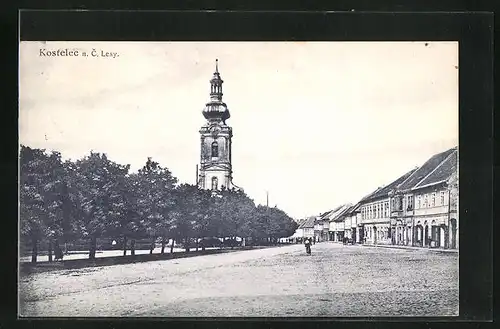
216	109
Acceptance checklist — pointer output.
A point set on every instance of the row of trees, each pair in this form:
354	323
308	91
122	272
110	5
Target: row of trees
94	198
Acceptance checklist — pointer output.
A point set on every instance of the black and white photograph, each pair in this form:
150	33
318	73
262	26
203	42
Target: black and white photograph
238	179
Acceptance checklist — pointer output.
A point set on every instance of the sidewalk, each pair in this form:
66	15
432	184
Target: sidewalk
393	246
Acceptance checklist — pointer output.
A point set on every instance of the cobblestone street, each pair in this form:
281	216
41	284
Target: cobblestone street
336	280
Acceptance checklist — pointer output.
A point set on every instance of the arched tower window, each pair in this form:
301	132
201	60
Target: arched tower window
215	150
214	183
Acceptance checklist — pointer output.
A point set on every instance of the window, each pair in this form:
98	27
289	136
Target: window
442	198
410	202
426	203
387	209
215	150
419	202
433	199
214	183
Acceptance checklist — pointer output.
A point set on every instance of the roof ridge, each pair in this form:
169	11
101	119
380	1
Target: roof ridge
413	171
435	168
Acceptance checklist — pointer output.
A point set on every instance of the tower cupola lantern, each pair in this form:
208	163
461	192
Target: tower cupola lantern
216	110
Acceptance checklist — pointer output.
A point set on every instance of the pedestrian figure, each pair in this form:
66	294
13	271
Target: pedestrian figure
308	246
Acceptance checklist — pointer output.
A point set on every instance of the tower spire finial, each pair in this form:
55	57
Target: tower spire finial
217	65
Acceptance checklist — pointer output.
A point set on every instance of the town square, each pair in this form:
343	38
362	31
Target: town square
336	280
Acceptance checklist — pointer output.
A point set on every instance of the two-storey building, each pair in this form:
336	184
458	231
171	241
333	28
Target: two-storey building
336	219
351	218
422	210
375	210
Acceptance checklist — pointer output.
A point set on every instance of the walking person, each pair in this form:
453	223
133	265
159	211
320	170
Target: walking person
307	243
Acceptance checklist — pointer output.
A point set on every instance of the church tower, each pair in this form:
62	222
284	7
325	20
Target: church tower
215	163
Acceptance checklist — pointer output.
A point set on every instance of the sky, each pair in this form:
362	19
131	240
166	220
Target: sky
316	124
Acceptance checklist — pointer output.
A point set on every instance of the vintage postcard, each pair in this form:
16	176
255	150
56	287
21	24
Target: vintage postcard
238	179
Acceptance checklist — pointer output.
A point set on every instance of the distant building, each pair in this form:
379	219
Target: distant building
307	227
299	232
351	231
336	220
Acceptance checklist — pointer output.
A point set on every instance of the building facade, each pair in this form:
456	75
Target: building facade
419	209
308	228
351	224
215	152
425	205
336	220
375	211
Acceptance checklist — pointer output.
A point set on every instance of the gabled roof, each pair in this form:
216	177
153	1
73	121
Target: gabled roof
353	209
324	215
338	212
300	222
330	213
383	191
308	223
442	172
426	169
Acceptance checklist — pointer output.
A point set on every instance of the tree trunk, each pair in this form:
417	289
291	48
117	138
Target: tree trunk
50	250
197	244
172	246
124	246
186	247
163	245
153	245
132	247
34	249
57	250
93	247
